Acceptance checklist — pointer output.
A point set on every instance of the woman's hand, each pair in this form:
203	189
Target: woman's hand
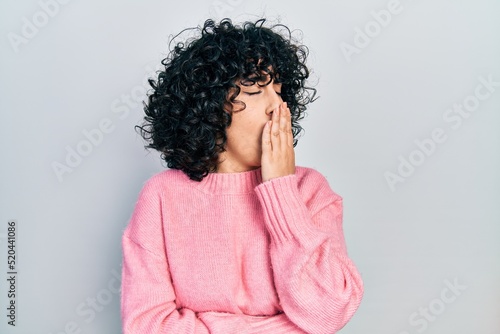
278	155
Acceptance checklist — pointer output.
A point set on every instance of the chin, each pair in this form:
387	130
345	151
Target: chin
257	162
254	164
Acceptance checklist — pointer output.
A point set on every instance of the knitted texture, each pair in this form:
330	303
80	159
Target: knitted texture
233	254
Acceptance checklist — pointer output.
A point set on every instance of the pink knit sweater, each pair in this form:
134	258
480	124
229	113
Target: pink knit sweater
231	254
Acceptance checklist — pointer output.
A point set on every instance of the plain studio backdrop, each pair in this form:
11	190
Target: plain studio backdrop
406	129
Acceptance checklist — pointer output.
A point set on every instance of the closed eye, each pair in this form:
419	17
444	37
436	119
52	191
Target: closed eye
257	93
253	93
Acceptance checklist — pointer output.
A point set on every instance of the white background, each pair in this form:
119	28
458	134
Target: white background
85	65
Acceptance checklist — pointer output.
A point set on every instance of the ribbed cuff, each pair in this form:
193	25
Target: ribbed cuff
285	213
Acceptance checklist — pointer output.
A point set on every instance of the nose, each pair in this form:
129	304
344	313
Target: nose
273	99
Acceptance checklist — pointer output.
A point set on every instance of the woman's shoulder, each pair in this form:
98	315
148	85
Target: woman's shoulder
311	180
168	175
303	171
309	175
166	179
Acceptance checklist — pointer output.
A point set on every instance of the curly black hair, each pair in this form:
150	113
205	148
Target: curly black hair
190	107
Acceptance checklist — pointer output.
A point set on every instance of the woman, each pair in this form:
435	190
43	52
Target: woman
234	238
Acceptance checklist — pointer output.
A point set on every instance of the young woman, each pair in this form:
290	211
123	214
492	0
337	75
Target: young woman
234	238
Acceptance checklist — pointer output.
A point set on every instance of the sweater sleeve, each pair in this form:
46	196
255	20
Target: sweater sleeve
147	293
318	285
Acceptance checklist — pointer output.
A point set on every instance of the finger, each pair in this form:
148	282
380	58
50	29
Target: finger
266	138
289	126
283	118
288	116
275	128
283	126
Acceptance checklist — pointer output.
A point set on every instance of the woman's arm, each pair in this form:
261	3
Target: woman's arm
318	285
147	294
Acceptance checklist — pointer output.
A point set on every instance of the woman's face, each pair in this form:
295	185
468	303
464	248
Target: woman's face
244	135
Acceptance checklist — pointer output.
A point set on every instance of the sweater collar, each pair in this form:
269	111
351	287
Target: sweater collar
230	183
